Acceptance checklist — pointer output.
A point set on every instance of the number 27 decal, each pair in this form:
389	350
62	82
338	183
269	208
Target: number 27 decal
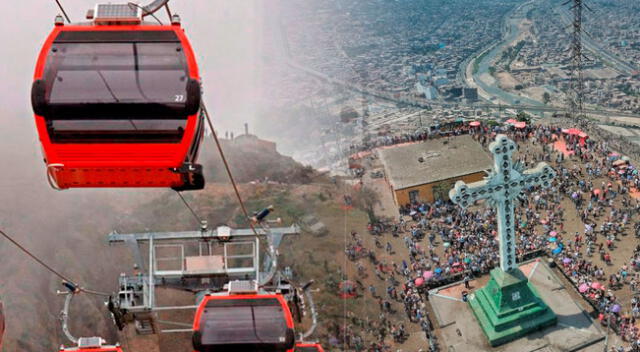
179	98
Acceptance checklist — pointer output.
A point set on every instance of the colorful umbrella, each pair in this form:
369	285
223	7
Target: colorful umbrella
474	123
552	239
427	274
553	234
616	308
597	191
510	121
566	260
583	288
419	281
520	124
438	270
557	250
596	285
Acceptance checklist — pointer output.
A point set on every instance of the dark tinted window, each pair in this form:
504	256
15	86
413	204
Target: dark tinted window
248	324
111	73
116	131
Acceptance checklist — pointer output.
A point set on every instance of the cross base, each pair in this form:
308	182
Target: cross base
509	307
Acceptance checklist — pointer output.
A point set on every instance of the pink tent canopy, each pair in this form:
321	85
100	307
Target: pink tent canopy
360	155
510	121
474	123
520	124
572	131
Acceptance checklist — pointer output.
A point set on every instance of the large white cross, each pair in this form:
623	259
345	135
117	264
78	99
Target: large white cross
501	188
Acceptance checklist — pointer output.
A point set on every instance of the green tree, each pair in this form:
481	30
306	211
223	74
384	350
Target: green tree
524	117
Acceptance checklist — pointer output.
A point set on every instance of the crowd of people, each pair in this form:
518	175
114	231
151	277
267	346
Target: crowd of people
444	242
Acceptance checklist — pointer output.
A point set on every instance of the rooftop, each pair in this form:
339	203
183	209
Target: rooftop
433	160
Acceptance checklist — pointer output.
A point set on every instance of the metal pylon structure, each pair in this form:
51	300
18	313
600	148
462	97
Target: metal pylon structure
575	108
200	262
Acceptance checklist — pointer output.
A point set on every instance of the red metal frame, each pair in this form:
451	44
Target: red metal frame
116	165
102	349
285	308
313	345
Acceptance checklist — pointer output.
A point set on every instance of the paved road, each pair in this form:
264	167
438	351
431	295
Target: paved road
487	86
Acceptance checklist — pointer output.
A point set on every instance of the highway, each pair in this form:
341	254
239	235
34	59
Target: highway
482	79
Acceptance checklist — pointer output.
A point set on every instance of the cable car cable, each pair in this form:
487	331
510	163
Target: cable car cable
226	165
63	11
49	268
145	12
189	207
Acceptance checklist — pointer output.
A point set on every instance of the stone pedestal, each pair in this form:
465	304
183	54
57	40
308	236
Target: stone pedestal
509	307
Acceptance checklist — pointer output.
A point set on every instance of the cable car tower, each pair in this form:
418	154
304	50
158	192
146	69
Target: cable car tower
207	261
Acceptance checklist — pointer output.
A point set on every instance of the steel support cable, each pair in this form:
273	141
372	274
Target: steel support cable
195	215
49	268
226	166
145	12
63	11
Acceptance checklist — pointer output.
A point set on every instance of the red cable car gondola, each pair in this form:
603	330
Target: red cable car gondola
117	103
1	324
308	347
248	323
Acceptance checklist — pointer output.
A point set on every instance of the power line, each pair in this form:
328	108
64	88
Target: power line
226	166
63	11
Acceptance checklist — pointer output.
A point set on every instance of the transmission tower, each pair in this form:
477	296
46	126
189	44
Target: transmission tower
576	88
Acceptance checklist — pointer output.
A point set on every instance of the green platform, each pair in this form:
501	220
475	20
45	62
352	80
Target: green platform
509	307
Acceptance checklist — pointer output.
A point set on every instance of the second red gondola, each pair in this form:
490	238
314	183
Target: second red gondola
308	347
248	323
